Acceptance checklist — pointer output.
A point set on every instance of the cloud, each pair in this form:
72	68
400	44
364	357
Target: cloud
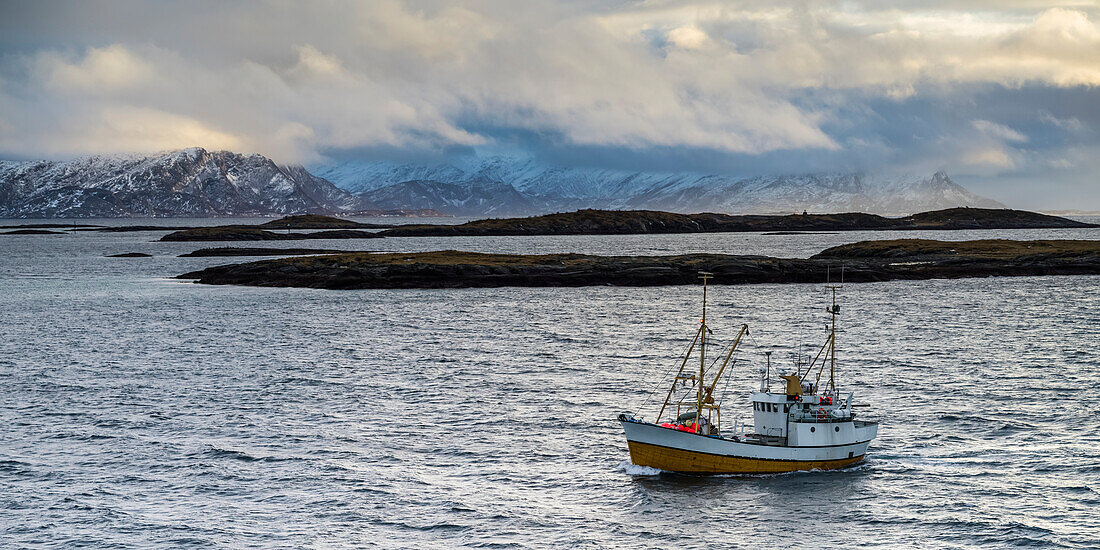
121	129
312	63
695	85
100	71
1069	124
132	128
988	157
689	38
998	131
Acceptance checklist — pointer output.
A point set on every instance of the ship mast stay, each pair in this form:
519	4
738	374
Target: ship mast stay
828	349
705	407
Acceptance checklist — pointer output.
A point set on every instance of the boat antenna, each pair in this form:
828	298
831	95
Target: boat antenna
801	340
705	276
768	375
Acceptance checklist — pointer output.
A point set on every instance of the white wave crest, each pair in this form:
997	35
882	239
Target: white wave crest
633	469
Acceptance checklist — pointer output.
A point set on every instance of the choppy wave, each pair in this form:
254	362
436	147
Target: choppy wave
141	414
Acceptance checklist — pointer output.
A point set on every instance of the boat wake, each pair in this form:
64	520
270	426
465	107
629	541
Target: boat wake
632	469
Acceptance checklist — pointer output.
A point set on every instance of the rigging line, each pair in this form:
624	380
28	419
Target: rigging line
757	344
657	386
727	383
754	342
717	356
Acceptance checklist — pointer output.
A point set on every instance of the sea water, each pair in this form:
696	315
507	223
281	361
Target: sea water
143	411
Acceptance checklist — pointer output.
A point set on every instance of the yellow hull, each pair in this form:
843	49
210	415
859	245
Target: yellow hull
691	462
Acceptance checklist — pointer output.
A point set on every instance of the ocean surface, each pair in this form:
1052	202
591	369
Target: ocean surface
142	411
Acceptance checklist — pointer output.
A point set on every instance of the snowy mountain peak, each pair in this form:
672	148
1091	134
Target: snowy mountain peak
197	182
940	180
546	188
186	182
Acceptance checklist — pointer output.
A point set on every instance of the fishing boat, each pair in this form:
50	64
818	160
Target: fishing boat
806	423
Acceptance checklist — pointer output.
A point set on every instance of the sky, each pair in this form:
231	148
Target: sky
1003	95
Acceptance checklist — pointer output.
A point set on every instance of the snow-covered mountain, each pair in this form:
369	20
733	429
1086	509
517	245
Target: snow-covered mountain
190	182
468	198
524	186
196	182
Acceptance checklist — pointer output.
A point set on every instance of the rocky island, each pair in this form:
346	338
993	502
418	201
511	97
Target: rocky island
619	222
863	261
47	226
230	251
253	233
305	221
32	232
314	221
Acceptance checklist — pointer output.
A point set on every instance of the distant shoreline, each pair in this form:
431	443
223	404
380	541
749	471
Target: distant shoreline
597	222
627	222
620	222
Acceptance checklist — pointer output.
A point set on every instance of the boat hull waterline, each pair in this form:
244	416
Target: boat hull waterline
689	453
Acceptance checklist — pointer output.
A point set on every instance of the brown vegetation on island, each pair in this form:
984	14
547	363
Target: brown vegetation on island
314	221
618	222
239	233
865	261
230	251
32	232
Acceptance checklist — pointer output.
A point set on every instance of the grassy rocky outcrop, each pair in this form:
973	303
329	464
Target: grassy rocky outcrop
988	218
618	222
32	232
864	261
253	233
964	251
622	222
306	221
230	251
314	221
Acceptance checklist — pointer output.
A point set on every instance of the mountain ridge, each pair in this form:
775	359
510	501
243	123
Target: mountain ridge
545	188
190	182
195	182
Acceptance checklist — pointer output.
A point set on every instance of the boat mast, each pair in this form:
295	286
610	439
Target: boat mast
834	310
702	348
